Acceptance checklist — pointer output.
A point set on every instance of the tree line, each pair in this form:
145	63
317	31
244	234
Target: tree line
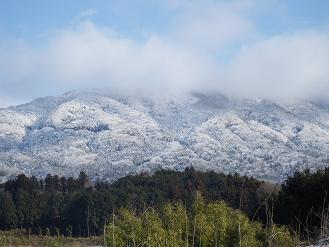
77	207
74	206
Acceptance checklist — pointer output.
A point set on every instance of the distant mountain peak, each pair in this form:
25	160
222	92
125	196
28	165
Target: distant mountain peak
108	135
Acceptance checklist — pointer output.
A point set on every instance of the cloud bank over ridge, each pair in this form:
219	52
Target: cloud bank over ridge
213	45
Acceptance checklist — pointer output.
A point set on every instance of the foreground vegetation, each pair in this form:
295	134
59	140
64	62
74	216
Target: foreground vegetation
167	208
23	238
213	224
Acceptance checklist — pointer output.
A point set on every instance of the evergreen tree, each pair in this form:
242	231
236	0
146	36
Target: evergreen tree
8	217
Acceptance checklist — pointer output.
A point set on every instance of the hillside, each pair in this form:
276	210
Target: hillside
109	136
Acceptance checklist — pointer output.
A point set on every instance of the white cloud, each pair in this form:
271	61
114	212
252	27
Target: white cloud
210	25
185	58
83	15
94	56
290	65
89	56
7	101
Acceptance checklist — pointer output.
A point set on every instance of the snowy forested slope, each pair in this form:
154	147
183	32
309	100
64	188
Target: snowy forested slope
109	136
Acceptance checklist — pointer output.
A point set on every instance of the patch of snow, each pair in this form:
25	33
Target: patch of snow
110	136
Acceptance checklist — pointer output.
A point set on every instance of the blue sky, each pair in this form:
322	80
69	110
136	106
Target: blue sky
30	19
49	47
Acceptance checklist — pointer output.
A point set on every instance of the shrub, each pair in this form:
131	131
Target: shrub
208	225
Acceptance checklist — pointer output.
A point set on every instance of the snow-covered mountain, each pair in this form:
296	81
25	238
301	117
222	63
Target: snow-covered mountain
109	136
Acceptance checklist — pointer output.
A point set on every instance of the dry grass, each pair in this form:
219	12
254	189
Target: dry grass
21	239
